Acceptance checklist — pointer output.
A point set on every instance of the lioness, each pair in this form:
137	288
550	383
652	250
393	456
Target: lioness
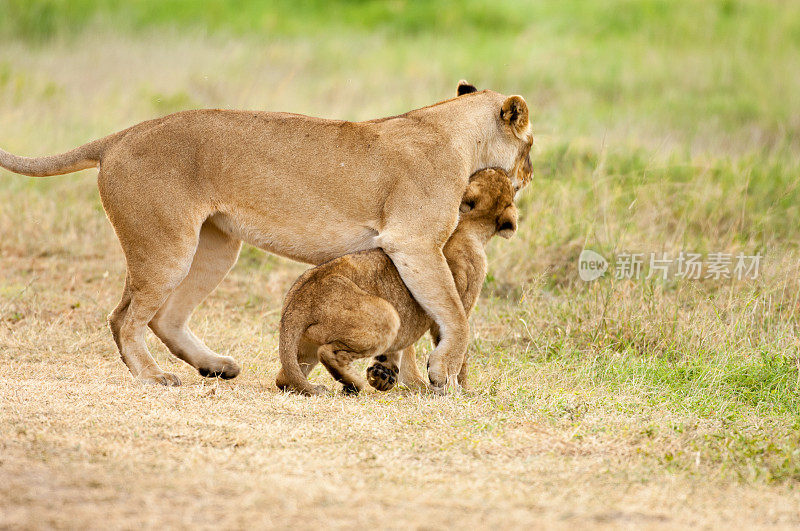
357	306
183	191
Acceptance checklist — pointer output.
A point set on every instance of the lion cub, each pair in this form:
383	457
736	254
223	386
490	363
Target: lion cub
357	306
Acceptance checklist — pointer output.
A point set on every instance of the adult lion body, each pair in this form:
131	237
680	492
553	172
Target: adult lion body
183	191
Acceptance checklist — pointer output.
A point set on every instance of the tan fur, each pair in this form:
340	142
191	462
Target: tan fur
184	190
357	306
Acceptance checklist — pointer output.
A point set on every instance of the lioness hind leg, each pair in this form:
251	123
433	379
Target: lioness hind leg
135	356
147	287
115	317
215	255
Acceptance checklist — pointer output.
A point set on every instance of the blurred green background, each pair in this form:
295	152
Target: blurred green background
676	71
659	125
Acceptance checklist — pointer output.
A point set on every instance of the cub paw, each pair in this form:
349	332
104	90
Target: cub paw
381	377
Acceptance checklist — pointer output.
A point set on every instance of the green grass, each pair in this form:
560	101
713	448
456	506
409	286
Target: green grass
44	19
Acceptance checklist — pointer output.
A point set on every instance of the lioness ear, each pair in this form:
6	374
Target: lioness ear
464	87
515	113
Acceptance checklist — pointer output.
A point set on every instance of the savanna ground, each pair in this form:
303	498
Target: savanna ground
660	126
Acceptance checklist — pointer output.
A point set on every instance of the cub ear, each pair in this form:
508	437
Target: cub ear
470	197
515	113
465	87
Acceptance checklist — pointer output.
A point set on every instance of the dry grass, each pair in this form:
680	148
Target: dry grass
84	446
615	404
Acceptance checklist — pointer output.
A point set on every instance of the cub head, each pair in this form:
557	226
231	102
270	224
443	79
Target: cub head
508	141
488	204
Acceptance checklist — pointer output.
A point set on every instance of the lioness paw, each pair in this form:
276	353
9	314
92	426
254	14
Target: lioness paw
161	378
225	368
438	377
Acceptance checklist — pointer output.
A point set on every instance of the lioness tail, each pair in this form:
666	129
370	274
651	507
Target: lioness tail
80	158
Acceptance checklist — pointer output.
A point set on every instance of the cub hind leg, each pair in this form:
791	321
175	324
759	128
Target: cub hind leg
338	363
355	324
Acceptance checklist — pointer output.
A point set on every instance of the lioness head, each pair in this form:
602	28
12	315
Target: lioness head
488	202
509	145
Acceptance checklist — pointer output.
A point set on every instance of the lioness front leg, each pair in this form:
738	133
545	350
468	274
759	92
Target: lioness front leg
463	374
424	271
